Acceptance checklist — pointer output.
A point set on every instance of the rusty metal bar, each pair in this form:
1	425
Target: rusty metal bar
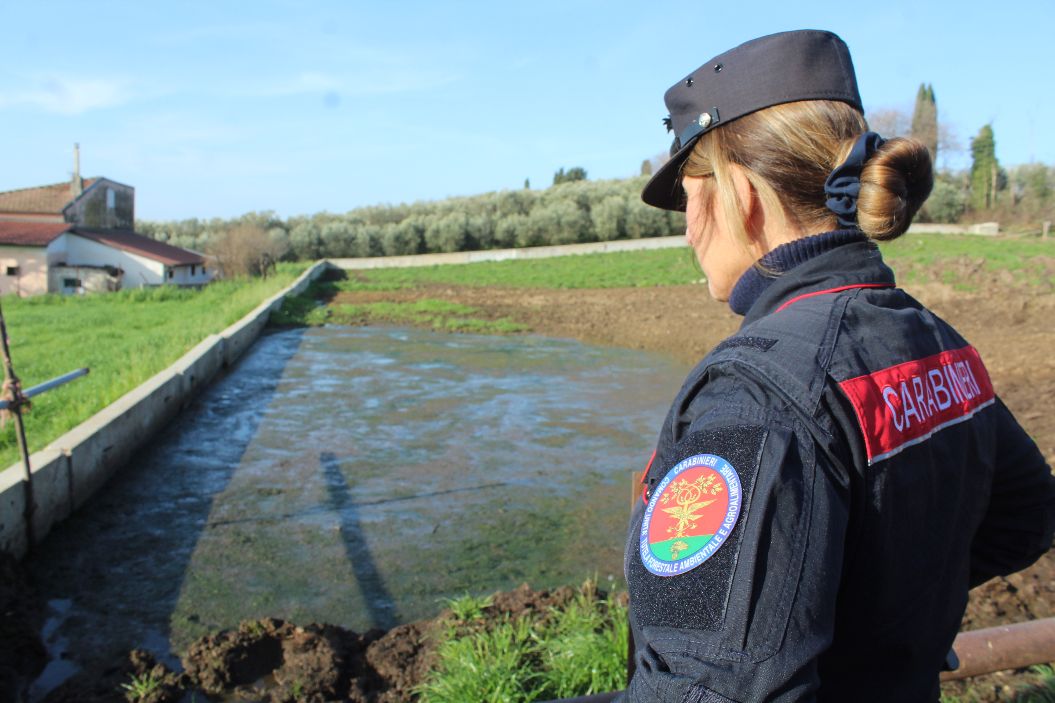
11	380
1005	647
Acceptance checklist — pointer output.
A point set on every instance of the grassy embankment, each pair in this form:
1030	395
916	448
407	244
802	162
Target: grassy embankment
916	259
124	338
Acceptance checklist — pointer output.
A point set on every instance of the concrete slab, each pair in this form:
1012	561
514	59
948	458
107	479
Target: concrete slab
12	505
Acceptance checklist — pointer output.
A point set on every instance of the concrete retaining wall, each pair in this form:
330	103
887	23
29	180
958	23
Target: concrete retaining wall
73	467
469	257
984	228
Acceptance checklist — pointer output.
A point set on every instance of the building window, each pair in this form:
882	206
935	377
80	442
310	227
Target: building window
192	269
71	283
11	270
172	272
110	199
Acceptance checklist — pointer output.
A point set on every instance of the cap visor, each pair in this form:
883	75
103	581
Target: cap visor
663	190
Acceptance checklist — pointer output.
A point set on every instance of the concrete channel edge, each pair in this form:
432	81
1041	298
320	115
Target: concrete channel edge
73	467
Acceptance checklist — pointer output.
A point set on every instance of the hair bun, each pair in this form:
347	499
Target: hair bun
895	183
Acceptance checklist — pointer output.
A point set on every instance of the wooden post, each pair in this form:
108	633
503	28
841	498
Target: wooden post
11	381
1046	229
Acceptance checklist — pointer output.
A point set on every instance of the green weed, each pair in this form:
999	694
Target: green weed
576	650
488	667
1043	690
585	649
141	685
468	608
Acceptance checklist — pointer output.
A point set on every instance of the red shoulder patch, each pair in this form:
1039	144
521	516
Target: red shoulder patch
905	404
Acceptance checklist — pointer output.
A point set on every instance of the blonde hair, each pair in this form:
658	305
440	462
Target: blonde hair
788	151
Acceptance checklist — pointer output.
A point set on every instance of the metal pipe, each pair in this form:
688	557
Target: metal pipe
1005	647
48	385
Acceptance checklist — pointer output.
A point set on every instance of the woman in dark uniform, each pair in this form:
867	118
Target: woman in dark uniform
833	478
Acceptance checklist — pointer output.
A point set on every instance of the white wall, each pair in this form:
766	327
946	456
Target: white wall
139	270
32	277
181	275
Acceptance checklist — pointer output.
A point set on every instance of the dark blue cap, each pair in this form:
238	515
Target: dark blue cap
779	68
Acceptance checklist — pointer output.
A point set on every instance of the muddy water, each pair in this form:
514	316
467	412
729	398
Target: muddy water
358	476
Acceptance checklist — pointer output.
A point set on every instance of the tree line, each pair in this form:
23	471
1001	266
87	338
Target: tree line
1022	195
574	210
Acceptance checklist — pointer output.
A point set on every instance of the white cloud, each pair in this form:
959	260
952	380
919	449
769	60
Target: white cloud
67	95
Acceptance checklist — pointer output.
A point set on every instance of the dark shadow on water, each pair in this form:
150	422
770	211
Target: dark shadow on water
122	559
379	602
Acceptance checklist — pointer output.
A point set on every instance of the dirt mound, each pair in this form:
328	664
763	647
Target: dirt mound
272	660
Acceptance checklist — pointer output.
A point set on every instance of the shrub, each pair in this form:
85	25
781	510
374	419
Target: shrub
946	203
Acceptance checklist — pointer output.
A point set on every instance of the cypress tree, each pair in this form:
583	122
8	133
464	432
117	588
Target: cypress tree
984	169
925	119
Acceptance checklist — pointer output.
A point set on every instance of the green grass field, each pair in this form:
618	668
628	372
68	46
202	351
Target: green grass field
124	338
914	257
953	259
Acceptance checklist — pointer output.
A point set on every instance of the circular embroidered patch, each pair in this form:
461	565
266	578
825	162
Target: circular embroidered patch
691	514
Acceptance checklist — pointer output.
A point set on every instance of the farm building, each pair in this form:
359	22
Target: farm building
77	237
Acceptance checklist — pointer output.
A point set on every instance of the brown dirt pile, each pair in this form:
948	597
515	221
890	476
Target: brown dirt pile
278	662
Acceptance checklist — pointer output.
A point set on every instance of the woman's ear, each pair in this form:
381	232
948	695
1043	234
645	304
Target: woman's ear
750	208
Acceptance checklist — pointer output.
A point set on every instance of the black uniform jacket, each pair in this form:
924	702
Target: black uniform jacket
875	478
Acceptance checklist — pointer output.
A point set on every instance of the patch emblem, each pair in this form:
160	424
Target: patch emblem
690	515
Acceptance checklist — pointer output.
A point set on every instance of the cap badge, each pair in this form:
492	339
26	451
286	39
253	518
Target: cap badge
705	120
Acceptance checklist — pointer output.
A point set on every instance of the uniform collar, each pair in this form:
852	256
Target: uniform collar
832	261
784	258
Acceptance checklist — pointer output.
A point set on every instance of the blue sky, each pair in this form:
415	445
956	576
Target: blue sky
218	108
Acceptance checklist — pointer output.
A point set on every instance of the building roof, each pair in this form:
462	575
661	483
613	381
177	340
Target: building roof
31	234
143	246
50	199
40	234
